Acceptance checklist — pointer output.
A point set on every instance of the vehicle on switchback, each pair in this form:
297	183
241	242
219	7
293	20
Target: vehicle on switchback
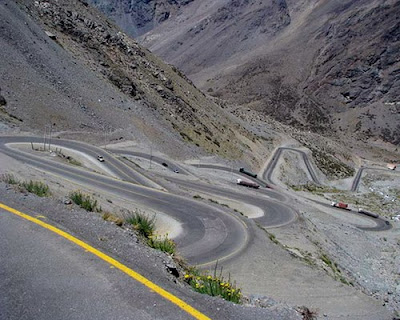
251	174
100	158
391	166
340	205
368	213
249	184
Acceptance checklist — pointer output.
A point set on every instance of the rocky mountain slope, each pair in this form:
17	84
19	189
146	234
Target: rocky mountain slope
66	65
329	66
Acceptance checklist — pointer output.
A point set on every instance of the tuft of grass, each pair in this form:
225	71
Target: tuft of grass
214	285
75	162
37	187
273	238
107	216
307	313
143	224
326	260
313	188
9	178
216	202
84	201
162	243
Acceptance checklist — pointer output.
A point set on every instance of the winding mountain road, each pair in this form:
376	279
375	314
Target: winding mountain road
380	223
209	234
267	174
275	214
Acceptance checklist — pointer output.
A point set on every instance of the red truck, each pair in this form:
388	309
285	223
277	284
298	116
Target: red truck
247	183
340	205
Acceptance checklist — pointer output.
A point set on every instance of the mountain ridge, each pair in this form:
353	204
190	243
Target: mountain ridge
325	66
93	78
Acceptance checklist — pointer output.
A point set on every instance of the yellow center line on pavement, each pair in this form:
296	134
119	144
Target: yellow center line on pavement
138	277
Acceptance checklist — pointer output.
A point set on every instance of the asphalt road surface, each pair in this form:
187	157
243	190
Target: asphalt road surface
275	213
208	234
44	276
357	178
267	174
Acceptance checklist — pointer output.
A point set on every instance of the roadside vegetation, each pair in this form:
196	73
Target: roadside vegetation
213	285
313	188
108	216
9	178
69	159
84	201
332	167
337	273
162	243
36	187
145	226
142	223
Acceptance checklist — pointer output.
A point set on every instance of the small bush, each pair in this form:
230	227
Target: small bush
272	237
213	285
75	162
141	223
39	188
84	201
107	216
326	260
162	243
9	178
307	313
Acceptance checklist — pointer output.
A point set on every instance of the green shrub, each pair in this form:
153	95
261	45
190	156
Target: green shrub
213	285
272	237
9	178
39	188
143	224
84	201
162	243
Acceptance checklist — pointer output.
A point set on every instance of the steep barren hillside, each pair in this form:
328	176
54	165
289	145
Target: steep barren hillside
86	75
138	17
330	66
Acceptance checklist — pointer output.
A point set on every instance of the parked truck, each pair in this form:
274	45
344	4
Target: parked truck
368	213
391	166
340	205
249	184
251	174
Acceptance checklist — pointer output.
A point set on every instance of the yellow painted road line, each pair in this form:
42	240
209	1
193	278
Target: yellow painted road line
138	277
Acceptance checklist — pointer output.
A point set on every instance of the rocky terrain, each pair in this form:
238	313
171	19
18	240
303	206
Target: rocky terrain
326	66
138	17
93	78
283	68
